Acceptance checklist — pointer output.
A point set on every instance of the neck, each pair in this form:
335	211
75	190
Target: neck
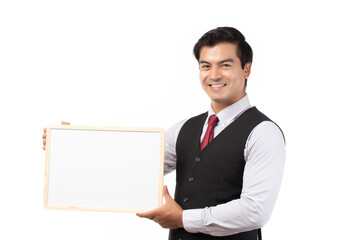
218	106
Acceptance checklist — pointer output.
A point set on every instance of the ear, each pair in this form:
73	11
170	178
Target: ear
247	69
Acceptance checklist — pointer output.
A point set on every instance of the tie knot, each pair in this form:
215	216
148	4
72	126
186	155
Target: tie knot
213	120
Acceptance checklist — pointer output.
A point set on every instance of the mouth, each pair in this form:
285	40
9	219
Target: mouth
217	85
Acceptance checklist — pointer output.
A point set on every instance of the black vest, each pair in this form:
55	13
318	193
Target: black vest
214	175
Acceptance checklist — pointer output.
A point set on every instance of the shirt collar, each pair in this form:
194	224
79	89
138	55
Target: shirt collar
230	113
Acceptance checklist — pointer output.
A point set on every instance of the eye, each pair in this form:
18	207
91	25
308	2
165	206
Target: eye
226	65
205	66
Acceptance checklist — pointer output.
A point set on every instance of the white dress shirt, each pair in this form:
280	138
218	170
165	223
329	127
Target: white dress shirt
264	154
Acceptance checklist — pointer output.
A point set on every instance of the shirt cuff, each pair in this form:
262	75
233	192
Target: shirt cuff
193	220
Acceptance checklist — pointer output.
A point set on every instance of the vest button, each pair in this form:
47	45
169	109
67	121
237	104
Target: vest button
197	159
191	179
186	199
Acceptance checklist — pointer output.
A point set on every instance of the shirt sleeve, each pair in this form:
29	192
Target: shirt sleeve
265	158
170	146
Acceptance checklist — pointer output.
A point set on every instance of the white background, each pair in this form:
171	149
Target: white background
130	63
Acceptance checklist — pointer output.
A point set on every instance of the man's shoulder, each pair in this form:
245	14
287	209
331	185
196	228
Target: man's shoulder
255	120
265	125
174	130
199	117
253	113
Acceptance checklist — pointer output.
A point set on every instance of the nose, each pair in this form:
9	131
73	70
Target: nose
215	74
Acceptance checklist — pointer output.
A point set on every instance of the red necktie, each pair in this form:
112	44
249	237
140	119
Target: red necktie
209	135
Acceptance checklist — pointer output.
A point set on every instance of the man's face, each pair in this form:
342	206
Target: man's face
221	75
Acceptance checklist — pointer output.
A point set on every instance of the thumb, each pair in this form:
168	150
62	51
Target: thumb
166	193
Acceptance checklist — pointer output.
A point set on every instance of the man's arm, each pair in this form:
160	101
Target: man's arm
265	157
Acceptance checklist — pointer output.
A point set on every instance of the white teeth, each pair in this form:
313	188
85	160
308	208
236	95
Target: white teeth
217	85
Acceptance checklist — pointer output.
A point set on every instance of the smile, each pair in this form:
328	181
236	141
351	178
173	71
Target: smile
217	85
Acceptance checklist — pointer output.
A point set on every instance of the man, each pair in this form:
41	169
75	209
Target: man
229	161
228	187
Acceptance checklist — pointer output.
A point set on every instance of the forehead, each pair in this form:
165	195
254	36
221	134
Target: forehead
219	52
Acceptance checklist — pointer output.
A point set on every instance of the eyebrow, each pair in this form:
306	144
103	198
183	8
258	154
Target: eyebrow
203	62
227	60
223	61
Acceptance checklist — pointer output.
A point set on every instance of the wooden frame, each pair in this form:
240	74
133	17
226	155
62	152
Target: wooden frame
104	168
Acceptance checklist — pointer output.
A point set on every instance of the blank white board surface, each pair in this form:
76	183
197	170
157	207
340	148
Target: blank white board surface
104	169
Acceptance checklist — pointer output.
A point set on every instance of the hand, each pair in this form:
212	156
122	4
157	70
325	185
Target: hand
44	135
167	216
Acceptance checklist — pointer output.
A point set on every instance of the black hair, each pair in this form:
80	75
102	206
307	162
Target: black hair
226	34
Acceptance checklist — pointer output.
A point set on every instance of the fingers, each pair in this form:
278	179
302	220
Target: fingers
44	138
150	214
64	123
44	134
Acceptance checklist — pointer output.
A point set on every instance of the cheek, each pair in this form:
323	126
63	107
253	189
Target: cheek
237	79
202	77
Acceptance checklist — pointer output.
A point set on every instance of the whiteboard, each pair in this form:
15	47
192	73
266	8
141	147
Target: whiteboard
104	169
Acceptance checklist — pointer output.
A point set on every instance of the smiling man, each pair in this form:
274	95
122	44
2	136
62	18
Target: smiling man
229	161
